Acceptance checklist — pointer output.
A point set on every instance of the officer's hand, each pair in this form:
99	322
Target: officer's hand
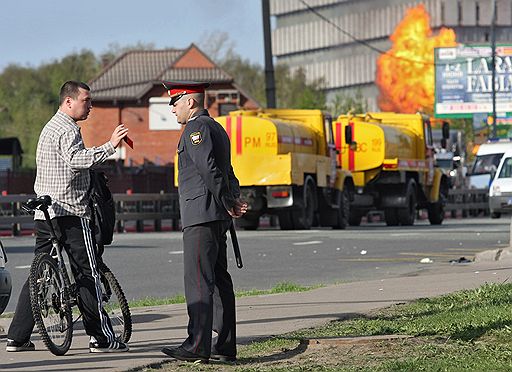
118	135
238	209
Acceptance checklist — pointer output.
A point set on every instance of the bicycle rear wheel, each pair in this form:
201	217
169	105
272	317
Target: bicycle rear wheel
50	304
115	304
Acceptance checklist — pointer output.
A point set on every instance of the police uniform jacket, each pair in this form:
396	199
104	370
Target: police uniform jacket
207	185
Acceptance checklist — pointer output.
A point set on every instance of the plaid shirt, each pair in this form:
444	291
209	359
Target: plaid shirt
63	165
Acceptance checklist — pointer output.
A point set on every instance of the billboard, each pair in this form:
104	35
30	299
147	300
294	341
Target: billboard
463	80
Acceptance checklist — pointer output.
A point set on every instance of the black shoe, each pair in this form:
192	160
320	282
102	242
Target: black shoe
107	347
13	346
223	358
181	354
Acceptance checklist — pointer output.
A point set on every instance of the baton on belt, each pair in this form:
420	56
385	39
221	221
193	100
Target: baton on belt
236	247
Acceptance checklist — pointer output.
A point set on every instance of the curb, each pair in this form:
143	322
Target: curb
499	254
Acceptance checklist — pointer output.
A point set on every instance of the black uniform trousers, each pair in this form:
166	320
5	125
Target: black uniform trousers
209	290
75	235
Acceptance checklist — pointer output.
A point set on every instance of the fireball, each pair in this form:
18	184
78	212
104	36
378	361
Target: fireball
405	73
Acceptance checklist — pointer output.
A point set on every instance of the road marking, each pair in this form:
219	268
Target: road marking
465	249
395	259
176	252
309	243
22	267
405	234
427	254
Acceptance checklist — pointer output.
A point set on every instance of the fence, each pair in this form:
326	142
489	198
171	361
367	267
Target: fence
165	206
134	207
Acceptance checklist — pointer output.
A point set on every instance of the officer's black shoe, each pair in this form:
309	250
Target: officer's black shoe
181	354
223	358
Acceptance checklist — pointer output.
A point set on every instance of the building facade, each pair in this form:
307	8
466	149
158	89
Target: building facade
339	40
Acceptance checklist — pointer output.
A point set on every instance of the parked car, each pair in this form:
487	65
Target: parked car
5	280
500	192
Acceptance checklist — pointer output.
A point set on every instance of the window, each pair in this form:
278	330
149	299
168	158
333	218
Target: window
160	115
226	108
485	164
506	170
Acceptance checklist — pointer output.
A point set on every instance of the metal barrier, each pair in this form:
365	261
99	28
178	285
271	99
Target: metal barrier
470	202
158	207
134	207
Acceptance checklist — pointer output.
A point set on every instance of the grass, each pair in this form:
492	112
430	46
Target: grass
469	330
282	287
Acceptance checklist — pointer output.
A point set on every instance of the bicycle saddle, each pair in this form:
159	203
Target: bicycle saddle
43	202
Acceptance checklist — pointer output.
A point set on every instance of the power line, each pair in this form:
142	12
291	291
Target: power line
362	42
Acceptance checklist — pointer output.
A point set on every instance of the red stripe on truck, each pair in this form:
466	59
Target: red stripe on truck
351	152
228	127
337	142
238	135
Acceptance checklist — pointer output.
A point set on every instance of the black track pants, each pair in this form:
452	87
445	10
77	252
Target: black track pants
76	237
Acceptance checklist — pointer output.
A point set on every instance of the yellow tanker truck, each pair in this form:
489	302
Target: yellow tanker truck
286	163
391	157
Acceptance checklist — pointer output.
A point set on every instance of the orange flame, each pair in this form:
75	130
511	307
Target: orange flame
405	74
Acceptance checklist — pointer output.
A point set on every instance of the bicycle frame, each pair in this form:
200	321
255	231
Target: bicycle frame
67	298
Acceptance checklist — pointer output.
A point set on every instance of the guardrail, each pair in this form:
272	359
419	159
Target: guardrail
470	202
158	207
129	207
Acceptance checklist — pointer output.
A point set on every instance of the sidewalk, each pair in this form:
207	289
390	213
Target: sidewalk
258	316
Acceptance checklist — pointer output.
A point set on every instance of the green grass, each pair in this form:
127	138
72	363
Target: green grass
282	287
469	330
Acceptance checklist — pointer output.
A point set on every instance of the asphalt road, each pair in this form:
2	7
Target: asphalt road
151	264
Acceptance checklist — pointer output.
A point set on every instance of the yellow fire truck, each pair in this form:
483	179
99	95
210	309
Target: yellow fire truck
286	163
391	157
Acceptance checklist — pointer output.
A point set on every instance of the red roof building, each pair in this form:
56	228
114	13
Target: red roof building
130	91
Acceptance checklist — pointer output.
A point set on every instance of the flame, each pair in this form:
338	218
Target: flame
406	86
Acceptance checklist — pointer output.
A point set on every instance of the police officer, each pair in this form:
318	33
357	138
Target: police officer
209	198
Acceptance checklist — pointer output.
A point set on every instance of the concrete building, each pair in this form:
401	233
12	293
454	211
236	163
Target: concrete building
340	44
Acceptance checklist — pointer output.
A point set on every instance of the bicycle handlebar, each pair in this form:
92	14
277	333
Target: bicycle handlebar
42	203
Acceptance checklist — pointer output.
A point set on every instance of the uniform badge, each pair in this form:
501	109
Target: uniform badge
196	138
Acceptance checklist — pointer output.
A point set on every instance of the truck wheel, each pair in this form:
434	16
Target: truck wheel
248	222
343	212
407	215
436	210
495	214
303	217
391	216
285	220
354	218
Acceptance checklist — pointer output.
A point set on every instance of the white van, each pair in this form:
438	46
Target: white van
500	192
486	162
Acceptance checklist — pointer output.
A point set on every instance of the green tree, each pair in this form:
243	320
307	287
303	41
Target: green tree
29	96
344	103
292	88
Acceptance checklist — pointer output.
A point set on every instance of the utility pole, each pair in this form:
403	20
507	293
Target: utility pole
493	51
270	85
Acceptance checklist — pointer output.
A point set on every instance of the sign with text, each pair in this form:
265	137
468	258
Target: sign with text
463	78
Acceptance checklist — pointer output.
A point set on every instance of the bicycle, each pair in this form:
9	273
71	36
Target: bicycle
53	295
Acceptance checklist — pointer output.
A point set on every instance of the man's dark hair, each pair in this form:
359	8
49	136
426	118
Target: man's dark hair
71	89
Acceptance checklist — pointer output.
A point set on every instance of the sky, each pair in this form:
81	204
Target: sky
36	32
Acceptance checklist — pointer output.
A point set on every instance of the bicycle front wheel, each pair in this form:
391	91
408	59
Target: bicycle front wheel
50	304
115	304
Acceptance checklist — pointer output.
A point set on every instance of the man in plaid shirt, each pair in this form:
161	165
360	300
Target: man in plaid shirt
63	165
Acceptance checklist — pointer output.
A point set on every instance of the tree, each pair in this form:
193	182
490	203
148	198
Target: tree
344	103
293	89
30	97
